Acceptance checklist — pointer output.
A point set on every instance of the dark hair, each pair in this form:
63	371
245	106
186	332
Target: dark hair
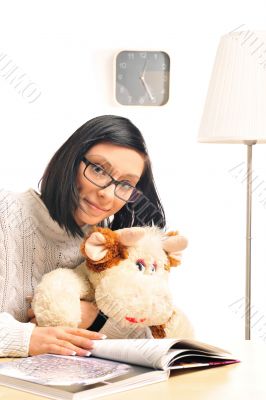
58	184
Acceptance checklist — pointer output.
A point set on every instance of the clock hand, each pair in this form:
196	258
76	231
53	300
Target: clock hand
144	69
146	88
142	78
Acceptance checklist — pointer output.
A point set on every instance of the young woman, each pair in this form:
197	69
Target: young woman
100	175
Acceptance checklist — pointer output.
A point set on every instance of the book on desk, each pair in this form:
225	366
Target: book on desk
115	365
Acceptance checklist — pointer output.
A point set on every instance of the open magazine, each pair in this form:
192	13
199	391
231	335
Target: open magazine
115	365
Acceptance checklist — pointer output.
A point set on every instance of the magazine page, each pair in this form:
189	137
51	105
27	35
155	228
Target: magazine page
194	344
154	353
145	352
58	370
189	358
190	351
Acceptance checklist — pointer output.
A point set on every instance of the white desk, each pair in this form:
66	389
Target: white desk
242	381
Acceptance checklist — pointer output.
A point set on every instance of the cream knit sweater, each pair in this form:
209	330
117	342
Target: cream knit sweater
32	244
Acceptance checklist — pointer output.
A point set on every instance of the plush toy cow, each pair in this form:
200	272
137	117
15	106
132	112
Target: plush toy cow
126	274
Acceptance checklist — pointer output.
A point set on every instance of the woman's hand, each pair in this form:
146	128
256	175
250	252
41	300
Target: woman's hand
89	312
62	340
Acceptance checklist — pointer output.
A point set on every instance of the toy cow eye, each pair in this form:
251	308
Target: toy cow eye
154	267
141	265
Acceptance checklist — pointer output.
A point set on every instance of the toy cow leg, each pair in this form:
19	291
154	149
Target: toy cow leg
56	300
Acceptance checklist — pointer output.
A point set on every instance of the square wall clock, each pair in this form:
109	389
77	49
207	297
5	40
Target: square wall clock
142	78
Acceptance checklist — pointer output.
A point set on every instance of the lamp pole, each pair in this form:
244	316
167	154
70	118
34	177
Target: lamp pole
249	144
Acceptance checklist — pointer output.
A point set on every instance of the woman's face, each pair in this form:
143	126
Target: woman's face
96	203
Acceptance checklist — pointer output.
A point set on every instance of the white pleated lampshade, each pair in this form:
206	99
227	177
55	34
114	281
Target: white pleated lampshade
235	108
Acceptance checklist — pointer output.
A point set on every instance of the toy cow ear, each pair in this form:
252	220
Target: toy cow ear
173	244
130	236
102	249
95	246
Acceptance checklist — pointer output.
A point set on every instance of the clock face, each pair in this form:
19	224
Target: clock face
142	78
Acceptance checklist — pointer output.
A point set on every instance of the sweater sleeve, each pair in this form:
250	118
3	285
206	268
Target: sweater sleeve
14	336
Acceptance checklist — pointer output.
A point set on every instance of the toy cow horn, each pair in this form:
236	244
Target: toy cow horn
129	236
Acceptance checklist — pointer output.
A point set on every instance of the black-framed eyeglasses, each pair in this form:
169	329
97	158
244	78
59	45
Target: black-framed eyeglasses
97	174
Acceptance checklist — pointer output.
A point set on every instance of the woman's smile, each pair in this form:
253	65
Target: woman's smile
94	208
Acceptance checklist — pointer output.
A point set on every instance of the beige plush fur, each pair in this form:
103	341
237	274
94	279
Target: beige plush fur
126	273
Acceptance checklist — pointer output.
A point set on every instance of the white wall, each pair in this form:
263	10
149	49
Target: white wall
67	48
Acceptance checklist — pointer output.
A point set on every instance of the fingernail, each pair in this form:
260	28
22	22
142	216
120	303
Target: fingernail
73	353
87	354
102	336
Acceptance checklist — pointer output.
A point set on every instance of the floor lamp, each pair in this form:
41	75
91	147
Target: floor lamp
235	112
